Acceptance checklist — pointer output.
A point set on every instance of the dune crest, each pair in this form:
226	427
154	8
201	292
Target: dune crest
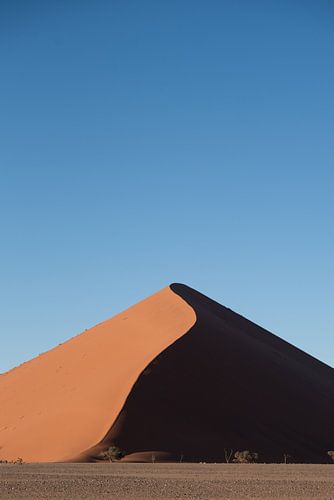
64	401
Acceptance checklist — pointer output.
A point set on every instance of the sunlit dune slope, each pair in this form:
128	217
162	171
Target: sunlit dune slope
63	402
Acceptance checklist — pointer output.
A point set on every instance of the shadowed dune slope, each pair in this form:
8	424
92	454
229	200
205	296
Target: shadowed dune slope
227	384
63	402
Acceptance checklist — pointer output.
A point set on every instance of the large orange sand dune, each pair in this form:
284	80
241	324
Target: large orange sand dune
177	376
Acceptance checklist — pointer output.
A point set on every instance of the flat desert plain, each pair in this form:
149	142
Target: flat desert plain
130	480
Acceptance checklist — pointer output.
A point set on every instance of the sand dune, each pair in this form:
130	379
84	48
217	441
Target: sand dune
177	376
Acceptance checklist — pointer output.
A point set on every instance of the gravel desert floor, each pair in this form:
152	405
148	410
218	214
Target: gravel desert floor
121	481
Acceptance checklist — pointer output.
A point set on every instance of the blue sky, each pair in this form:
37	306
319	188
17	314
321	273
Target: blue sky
149	142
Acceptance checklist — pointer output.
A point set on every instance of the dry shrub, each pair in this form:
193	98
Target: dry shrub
113	453
245	457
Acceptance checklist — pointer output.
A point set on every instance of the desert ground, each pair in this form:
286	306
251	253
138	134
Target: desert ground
121	481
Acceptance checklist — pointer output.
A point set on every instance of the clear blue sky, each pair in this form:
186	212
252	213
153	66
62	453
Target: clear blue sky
149	142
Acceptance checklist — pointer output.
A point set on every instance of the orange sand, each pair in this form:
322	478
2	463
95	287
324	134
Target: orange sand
64	401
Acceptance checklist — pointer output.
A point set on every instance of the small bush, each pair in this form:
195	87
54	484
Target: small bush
245	457
331	455
113	453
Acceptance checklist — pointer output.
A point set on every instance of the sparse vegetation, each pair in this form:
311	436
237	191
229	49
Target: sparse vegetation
228	455
113	453
245	457
331	455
